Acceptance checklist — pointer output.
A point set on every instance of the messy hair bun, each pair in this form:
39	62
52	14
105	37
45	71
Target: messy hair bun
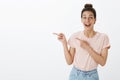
88	6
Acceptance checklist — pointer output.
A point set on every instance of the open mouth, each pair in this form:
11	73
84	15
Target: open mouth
87	25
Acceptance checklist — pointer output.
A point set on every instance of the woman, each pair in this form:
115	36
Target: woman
87	48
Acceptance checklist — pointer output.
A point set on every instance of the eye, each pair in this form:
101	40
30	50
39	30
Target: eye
84	17
91	17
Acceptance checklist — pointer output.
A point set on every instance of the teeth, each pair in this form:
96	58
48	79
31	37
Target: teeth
87	25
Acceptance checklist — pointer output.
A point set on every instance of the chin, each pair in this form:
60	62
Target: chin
88	29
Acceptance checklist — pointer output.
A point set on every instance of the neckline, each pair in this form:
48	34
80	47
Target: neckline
89	37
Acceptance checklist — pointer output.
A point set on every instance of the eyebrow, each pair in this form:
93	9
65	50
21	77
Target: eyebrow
89	15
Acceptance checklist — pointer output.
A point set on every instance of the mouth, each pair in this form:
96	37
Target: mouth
87	25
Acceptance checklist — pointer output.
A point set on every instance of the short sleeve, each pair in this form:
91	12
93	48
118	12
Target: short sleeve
106	43
71	41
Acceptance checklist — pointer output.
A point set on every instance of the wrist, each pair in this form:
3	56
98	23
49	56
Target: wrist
64	43
89	49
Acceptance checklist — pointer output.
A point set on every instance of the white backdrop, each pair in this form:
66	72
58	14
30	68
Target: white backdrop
29	50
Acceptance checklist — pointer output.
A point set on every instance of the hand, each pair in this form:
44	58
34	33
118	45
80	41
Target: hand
84	44
61	37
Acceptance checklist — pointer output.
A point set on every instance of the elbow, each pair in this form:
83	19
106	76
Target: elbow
103	64
69	62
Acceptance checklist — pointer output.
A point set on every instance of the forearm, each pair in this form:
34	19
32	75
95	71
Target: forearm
67	54
97	57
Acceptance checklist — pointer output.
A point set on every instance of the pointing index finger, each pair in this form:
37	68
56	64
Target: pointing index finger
78	39
56	34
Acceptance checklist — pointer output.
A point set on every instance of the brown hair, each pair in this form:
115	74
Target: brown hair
89	7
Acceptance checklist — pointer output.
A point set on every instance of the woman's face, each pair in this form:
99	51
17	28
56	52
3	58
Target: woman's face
88	20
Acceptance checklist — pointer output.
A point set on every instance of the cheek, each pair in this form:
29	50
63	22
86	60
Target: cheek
93	22
82	20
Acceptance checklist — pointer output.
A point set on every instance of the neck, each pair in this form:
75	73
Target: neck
89	34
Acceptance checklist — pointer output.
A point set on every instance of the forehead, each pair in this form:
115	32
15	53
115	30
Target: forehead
87	13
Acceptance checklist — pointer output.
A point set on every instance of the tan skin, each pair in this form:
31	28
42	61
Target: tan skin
88	21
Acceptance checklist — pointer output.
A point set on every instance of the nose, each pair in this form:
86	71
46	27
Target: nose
87	19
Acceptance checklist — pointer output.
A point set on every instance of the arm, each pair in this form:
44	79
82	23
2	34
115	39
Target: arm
99	58
69	53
